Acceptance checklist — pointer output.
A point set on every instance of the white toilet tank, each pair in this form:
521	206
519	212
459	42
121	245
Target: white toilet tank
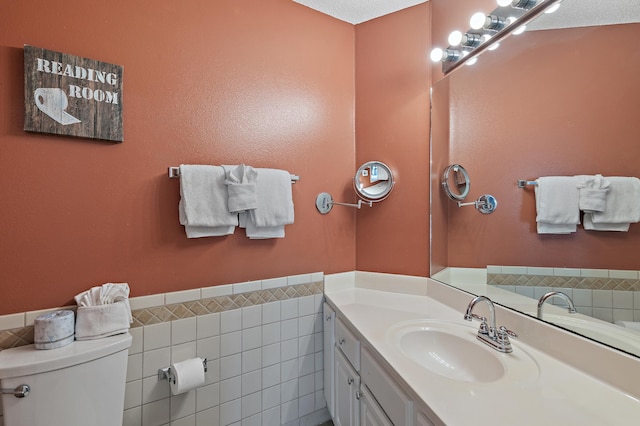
81	384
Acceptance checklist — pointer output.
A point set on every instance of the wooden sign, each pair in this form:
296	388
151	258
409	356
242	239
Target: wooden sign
72	96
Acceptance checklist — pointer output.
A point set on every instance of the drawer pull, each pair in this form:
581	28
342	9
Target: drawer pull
341	342
350	381
359	394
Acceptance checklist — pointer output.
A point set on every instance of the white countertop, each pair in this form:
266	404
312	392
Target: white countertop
558	394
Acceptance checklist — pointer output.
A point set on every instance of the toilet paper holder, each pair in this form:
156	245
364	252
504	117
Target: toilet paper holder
166	374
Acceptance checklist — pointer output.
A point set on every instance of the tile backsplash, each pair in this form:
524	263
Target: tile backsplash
263	342
609	295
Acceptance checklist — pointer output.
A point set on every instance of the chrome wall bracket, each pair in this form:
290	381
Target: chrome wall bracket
485	204
167	374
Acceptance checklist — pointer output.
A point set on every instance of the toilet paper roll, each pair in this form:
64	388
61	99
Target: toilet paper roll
187	375
53	330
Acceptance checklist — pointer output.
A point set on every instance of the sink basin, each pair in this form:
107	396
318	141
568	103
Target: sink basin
451	350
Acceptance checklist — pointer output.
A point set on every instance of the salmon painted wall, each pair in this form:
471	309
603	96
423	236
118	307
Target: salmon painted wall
266	82
392	126
567	106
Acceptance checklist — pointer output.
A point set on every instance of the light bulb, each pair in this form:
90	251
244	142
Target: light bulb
437	54
553	8
494	46
472	61
477	20
504	3
520	30
455	38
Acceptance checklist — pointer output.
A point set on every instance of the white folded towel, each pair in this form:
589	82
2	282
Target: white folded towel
557	210
275	205
103	311
255	233
622	206
203	201
241	187
593	193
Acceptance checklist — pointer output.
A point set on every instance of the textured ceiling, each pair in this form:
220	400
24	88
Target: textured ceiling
357	11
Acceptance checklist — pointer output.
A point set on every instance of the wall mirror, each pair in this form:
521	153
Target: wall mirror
563	98
456	182
373	181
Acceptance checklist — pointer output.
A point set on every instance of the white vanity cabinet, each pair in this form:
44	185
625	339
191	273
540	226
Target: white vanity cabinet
347	392
371	414
329	341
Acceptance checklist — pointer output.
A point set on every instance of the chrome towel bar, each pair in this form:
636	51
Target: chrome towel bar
174	173
522	183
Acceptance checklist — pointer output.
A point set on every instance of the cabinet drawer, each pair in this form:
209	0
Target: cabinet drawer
395	403
348	344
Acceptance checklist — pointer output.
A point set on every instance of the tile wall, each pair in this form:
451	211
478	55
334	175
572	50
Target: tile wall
263	342
609	295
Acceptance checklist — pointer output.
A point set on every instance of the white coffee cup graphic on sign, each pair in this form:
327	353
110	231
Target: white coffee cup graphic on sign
54	102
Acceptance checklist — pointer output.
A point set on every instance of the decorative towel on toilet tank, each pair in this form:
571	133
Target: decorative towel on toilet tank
103	311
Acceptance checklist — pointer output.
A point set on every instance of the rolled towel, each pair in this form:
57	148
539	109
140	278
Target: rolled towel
557	210
622	206
593	193
241	188
103	311
632	325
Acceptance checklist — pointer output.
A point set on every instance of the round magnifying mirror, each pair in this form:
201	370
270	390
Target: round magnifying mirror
455	181
373	181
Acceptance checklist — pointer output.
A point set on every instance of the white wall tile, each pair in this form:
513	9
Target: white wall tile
514	270
623	274
251	338
230	366
622	315
213	372
299	279
134	367
137	340
185	421
317	277
157	336
306	364
289	411
272	283
132	417
230	412
210	417
594	273
251	404
320	401
622	299
270	376
231	321
183	405
271	354
217	291
582	297
271	397
270	312
525	290
208	348
289	329
251	360
538	271
251	382
207	325
230	389
306	345
207	396
143	302
156	413
319	380
255	420
251	316
183	330
306	305
604	314
247	287
133	394
602	299
154	389
288	309
182	296
318	342
230	343
306	325
636	300
183	352
289	370
306	405
288	390
7	322
154	360
306	384
271	416
319	361
271	333
289	349
566	272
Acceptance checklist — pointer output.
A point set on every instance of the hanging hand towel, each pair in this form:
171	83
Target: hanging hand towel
203	204
241	187
275	205
622	206
557	209
593	193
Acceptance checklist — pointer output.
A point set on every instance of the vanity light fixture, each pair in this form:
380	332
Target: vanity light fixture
487	30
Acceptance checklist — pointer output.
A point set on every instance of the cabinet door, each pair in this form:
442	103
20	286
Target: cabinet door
370	412
347	384
329	316
423	420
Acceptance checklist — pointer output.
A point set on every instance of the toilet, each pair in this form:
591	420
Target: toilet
76	385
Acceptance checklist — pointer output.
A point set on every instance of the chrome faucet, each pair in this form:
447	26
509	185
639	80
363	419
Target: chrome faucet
571	307
497	338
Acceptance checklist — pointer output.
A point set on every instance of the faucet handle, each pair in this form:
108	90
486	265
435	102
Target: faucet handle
502	339
505	332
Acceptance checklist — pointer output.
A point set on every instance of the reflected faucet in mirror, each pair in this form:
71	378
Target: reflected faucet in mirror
570	306
581	117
